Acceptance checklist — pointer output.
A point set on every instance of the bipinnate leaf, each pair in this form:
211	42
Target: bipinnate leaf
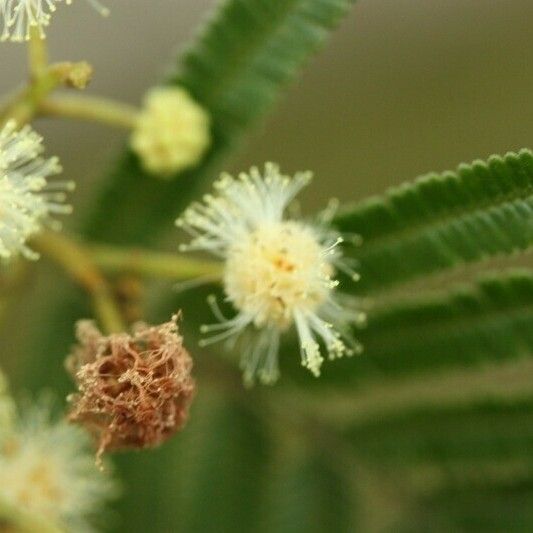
438	221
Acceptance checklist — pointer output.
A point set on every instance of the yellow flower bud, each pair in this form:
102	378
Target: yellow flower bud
172	132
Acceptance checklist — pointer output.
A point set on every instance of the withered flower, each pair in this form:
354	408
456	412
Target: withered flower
134	391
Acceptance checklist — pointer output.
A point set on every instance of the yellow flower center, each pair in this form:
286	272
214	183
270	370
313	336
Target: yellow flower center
276	270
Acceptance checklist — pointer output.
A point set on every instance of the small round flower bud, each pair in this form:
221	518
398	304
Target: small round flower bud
134	391
79	75
172	132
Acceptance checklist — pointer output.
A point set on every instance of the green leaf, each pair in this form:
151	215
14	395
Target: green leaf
236	70
441	220
481	433
208	477
308	494
465	467
481	506
489	321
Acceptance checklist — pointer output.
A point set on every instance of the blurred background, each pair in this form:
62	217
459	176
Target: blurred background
403	88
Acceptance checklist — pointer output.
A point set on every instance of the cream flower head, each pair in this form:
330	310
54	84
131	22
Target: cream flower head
278	272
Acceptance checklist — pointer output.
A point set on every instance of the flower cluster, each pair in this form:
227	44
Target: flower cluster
134	390
278	272
28	199
47	473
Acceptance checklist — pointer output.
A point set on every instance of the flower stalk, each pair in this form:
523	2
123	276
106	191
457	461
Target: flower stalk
79	266
24	105
92	109
85	263
37	53
153	264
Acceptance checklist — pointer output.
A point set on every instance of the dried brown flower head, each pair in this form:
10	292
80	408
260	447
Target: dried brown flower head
134	391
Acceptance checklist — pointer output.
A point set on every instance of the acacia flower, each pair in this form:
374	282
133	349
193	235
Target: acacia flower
172	131
27	198
278	272
47	472
19	16
134	391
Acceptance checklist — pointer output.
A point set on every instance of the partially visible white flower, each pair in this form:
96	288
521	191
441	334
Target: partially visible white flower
172	131
19	16
27	198
278	272
47	472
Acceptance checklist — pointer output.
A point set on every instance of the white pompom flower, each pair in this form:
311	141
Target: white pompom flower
28	198
172	132
278	272
48	473
19	16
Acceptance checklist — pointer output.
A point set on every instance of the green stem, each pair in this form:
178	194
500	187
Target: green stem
78	264
37	53
92	109
23	106
147	263
44	78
